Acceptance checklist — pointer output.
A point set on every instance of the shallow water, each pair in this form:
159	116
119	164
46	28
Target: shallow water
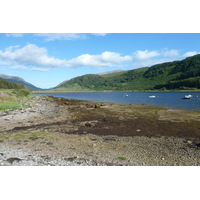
166	99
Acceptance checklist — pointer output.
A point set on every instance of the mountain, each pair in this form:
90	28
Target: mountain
10	85
177	75
17	79
111	72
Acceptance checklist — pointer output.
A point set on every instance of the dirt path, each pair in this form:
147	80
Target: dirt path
57	131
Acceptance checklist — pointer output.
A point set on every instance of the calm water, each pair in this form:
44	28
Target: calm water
166	99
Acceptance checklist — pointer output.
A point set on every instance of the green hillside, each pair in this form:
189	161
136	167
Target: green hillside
177	75
19	80
10	85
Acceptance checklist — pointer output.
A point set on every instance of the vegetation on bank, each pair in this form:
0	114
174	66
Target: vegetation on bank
14	98
177	75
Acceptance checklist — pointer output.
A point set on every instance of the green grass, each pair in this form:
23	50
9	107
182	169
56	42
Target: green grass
10	105
30	135
12	99
121	158
21	93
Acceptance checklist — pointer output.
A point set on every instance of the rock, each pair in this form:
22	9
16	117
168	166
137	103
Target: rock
97	106
197	145
93	139
70	159
11	160
49	143
88	124
109	138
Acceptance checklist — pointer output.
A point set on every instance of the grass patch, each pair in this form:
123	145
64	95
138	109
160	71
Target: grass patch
13	99
2	137
10	105
21	93
31	135
121	158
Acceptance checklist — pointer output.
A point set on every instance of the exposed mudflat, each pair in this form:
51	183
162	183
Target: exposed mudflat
58	131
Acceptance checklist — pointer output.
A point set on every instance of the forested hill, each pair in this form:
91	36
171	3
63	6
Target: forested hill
17	79
177	75
10	85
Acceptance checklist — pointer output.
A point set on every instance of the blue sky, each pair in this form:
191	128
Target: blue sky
45	60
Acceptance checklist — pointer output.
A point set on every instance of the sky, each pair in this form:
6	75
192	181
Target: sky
47	59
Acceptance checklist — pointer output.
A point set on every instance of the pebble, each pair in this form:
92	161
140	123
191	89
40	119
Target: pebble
109	138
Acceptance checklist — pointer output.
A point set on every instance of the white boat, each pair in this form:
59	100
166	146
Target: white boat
188	96
126	95
152	96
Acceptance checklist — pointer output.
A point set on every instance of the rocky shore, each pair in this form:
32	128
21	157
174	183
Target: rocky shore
63	132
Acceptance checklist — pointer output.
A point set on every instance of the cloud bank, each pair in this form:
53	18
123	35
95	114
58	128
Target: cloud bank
32	57
58	36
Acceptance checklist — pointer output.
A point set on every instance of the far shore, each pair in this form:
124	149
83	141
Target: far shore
61	91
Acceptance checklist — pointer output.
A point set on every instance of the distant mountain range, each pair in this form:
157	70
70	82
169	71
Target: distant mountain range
177	75
19	80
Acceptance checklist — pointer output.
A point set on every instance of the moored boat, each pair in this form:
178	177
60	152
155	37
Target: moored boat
152	96
189	96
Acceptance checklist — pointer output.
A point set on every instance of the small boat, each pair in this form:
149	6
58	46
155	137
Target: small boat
189	96
126	95
152	96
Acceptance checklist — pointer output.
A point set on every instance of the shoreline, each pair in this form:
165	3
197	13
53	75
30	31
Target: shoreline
43	92
58	131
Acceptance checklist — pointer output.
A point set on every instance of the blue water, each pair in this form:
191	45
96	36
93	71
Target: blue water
166	99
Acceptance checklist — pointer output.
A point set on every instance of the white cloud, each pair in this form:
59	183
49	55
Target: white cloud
39	69
19	67
114	57
14	34
31	55
151	62
5	63
190	53
144	55
99	34
170	53
106	59
66	36
60	36
10	48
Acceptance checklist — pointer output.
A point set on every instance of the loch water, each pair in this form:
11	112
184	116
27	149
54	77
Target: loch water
166	99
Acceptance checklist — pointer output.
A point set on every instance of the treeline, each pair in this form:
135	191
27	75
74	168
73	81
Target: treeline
189	83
